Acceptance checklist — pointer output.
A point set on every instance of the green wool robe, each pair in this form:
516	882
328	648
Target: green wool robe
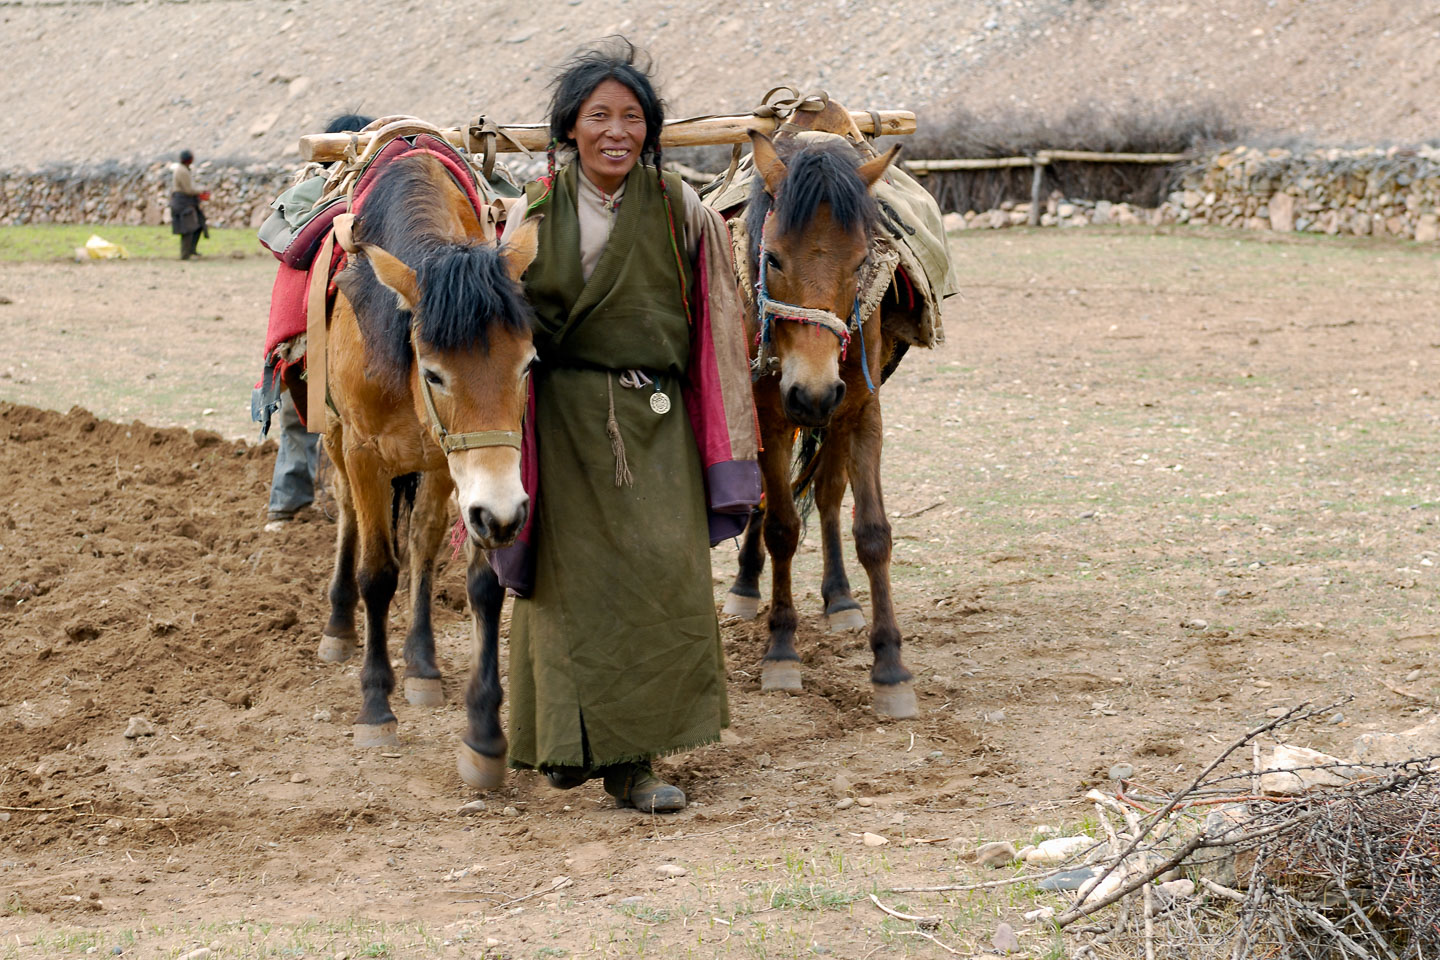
616	655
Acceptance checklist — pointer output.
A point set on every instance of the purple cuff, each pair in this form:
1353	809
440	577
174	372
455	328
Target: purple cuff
515	566
726	526
733	486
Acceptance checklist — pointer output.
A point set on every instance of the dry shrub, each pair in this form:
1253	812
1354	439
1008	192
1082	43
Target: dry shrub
1135	128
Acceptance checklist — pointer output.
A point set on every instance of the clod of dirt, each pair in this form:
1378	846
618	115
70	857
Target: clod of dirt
671	870
139	727
81	631
874	840
845	803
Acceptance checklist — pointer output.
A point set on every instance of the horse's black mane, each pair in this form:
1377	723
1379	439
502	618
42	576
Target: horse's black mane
465	290
818	172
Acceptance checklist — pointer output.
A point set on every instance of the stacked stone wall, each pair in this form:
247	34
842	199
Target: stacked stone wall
1364	192
239	195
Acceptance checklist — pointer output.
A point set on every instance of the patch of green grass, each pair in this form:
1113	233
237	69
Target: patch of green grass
808	896
43	242
645	913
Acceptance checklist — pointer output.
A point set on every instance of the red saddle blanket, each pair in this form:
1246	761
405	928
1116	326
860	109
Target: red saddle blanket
292	278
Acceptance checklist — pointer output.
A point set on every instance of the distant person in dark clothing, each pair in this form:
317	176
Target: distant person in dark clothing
186	217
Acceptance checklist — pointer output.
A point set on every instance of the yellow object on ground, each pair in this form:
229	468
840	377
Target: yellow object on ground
98	248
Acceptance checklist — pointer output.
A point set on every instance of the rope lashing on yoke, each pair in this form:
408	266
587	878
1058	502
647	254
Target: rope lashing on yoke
456	442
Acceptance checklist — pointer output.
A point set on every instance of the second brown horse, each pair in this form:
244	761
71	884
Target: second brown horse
811	221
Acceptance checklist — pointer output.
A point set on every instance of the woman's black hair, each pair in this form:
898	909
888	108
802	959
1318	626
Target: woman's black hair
348	123
614	58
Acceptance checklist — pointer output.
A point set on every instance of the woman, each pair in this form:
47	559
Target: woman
615	656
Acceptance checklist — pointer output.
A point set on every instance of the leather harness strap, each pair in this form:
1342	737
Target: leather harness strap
315	336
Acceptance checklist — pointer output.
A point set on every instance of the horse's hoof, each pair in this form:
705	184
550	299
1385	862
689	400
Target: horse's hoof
844	620
336	649
479	771
424	692
747	608
896	700
778	675
376	734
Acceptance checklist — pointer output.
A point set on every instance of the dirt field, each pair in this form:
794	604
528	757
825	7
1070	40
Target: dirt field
1154	486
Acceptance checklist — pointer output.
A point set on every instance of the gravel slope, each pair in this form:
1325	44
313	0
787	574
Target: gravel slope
242	79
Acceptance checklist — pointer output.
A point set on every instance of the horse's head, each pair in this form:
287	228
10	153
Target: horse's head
471	340
811	220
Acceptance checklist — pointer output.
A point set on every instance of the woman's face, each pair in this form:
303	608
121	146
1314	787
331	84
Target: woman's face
609	134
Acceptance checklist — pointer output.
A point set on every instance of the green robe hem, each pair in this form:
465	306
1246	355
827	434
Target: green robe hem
637	758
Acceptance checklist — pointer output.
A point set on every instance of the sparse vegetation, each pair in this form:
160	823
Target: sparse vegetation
41	242
1132	128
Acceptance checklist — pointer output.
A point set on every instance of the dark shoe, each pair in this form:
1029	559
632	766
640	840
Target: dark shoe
277	520
635	785
568	778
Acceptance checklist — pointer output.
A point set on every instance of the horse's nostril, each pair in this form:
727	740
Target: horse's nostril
481	521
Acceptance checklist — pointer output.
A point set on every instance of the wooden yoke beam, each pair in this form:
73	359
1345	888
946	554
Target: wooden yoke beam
700	131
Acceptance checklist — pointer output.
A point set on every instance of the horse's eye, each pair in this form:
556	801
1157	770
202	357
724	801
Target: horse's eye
432	377
771	263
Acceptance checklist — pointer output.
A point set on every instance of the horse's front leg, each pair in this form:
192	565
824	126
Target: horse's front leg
743	600
481	758
780	669
841	610
429	522
894	690
337	642
377	575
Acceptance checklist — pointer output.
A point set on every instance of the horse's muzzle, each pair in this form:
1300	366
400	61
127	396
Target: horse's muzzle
810	407
492	532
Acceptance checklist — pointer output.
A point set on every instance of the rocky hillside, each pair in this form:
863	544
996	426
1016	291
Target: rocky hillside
134	80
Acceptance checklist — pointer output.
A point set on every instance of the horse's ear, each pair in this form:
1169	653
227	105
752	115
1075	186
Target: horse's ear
390	271
520	247
768	162
872	170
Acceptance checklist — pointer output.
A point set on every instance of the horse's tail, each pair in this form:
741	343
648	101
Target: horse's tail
803	470
403	490
897	353
807	451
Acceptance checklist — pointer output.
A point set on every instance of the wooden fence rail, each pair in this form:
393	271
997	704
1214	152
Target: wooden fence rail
1039	162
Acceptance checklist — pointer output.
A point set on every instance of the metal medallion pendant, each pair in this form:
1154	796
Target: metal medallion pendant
659	402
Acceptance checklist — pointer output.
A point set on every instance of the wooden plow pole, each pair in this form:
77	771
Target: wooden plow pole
535	137
1039	162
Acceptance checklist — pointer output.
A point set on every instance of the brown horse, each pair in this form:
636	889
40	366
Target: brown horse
811	219
428	350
